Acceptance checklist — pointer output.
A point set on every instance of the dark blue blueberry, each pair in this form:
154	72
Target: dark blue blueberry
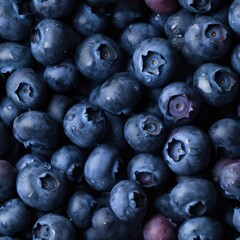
236	218
41	186
145	132
58	106
54	9
85	125
49	42
102	57
119	94
224	135
207	38
26	88
128	201
53	226
200	228
176	26
235	58
108	226
62	77
80	209
187	150
8	111
126	12
200	6
234	17
15	20
88	19
8	176
102	167
149	170
37	131
11	57
5	138
226	175
193	197
14	216
158	20
159	227
134	34
155	62
70	160
218	85
179	103
28	159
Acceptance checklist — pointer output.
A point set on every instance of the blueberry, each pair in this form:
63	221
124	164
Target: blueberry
235	58
145	132
14	216
187	150
41	186
119	94
11	57
88	19
148	170
102	57
26	88
103	175
159	227
134	34
62	77
15	20
155	62
200	228
108	225
52	9
53	226
70	160
85	125
233	16
223	134
218	85
80	209
128	201
37	131
202	6
179	103
162	6
8	111
207	38
193	197
8	176
226	175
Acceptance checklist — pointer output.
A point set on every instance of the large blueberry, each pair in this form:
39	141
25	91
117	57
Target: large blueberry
187	150
85	125
155	62
233	16
102	57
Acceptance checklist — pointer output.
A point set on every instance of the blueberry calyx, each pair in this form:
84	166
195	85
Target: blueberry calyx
24	91
35	36
75	173
201	5
224	80
176	149
151	127
41	231
92	115
49	183
152	62
196	208
179	107
146	179
138	200
216	32
106	52
22	8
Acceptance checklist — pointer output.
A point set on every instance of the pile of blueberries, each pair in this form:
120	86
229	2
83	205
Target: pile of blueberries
120	119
